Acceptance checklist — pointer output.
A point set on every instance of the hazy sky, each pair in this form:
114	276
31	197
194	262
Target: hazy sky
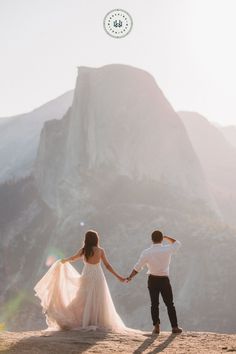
188	45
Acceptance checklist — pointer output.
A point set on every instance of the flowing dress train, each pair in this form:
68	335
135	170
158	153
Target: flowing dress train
71	300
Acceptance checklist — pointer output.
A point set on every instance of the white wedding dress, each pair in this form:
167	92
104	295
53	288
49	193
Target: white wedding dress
71	300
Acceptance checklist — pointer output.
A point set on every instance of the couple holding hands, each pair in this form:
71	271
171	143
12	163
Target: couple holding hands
71	300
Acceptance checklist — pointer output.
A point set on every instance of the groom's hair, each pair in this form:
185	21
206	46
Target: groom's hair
157	236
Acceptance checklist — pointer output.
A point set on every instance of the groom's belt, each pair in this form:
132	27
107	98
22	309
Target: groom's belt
158	276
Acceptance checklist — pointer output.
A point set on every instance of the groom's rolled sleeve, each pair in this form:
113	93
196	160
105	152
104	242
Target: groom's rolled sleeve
141	262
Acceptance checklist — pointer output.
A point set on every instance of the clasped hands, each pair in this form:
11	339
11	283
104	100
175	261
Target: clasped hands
125	280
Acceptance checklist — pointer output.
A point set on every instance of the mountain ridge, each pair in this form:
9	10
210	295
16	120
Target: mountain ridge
19	136
218	158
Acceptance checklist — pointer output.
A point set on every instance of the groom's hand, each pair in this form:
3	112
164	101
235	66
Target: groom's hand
128	279
132	274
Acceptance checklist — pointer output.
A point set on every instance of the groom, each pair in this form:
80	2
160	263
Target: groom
157	259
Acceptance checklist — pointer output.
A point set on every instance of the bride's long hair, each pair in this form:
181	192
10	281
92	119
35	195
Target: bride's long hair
90	241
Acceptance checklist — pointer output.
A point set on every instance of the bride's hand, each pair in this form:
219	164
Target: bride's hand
122	279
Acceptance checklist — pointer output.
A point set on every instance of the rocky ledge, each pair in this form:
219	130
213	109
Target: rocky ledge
75	342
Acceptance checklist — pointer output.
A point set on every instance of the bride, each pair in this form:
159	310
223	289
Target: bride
71	300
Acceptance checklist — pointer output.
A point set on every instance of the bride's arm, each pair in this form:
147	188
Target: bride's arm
74	257
109	267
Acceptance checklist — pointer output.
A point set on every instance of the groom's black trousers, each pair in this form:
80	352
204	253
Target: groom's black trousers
157	285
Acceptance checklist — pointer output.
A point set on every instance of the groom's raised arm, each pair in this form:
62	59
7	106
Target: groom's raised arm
173	243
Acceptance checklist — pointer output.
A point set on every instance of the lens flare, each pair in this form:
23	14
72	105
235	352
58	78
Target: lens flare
50	260
10	309
53	255
2	326
82	223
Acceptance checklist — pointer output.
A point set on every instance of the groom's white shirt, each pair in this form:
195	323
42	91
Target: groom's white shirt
157	258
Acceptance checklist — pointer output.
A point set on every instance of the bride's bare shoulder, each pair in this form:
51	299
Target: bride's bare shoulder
101	251
97	249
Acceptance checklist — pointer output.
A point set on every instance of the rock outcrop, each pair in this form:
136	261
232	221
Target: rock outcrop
105	343
120	125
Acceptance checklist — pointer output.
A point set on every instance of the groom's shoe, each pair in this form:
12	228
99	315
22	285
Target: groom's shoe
156	329
177	330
